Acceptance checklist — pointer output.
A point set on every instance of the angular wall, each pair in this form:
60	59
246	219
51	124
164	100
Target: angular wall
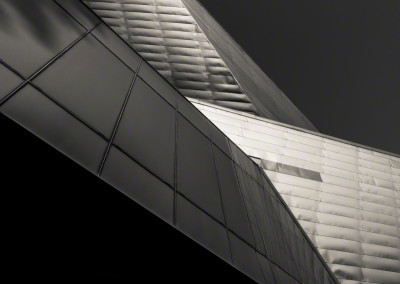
189	48
70	80
345	196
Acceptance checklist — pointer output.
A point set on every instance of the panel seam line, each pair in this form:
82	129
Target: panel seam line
125	103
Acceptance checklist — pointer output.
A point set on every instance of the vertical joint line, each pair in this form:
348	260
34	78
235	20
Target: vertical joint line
125	103
75	19
175	167
44	67
220	196
61	53
241	191
285	239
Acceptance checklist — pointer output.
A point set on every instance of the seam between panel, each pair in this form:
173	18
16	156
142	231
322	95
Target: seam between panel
220	196
119	118
44	67
232	164
361	254
175	167
290	140
361	267
342	186
358	241
301	130
320	201
337	225
311	154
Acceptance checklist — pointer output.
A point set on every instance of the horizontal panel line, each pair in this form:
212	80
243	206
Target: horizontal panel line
308	153
345	187
337	226
361	267
302	130
361	254
358	209
358	241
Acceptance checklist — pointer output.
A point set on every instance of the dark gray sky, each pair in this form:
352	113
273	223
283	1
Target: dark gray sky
338	61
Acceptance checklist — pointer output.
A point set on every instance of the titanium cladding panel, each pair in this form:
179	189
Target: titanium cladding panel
69	79
190	49
347	198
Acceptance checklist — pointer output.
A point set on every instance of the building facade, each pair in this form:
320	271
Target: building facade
106	84
344	195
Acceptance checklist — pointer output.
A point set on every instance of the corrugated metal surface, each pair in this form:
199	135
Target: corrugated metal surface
271	102
68	79
197	56
347	198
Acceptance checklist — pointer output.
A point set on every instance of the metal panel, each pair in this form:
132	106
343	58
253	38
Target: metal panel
189	48
352	213
87	101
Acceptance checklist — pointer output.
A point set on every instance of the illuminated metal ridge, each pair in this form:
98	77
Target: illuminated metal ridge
190	49
346	196
74	83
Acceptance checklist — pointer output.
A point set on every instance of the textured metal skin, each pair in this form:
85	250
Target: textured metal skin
190	49
70	80
346	197
269	100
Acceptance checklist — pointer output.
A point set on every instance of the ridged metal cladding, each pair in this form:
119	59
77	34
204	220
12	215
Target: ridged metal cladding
173	40
167	36
71	81
346	197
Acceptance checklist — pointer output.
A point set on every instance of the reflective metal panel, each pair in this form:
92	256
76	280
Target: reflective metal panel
89	102
190	49
346	197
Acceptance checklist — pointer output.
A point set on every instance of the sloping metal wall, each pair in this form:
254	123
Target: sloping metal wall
183	42
70	80
346	197
271	102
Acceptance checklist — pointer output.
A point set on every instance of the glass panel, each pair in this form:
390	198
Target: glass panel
328	279
94	89
267	185
31	35
318	270
117	46
245	182
309	257
266	268
291	237
302	257
246	163
159	84
219	139
193	115
285	223
235	212
202	228
281	276
80	12
245	259
279	248
197	178
137	183
55	126
8	81
147	131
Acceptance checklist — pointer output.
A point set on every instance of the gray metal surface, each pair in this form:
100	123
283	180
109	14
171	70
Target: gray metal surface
68	79
346	197
190	49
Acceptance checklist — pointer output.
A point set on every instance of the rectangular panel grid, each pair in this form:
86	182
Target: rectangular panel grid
346	197
145	182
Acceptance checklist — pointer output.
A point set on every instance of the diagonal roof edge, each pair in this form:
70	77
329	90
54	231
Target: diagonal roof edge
266	96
